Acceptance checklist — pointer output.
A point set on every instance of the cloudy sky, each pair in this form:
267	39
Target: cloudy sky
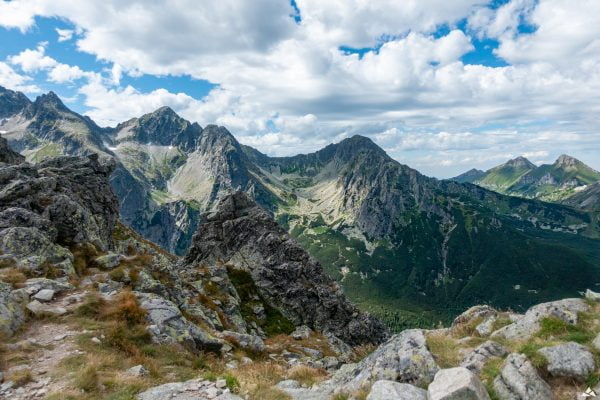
442	85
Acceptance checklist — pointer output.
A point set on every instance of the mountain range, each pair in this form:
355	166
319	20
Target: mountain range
556	182
410	248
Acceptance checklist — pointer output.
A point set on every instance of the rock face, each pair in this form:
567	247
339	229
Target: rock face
475	360
519	380
390	390
456	384
12	308
7	155
527	326
242	234
53	205
570	360
404	358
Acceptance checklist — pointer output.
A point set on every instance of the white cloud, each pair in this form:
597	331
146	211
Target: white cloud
10	79
64	35
285	86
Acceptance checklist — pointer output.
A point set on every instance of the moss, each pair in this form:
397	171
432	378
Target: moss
531	351
552	327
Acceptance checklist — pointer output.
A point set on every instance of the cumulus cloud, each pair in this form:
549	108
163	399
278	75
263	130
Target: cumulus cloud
11	79
285	85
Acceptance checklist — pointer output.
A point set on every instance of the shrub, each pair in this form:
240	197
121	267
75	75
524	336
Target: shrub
126	308
87	380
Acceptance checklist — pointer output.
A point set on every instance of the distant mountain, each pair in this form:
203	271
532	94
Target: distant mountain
470	176
549	182
587	199
408	247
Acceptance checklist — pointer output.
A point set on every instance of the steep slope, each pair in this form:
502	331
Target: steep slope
504	176
586	199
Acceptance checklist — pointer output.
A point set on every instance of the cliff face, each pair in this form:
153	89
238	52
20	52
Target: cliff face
244	236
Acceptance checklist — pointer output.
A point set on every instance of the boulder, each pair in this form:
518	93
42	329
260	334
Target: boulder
596	342
301	332
245	341
295	391
40	309
519	380
34	285
390	390
138	371
12	308
404	358
456	384
196	389
476	359
474	313
170	326
44	295
570	360
485	328
109	261
525	327
591	295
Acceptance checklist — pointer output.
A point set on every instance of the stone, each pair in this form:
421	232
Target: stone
390	390
473	313
109	261
1	377
570	360
245	341
12	308
456	384
404	358
301	332
44	295
195	389
485	328
221	383
476	359
591	295
316	354
596	342
137	371
525	327
519	380
96	340
34	285
38	308
170	326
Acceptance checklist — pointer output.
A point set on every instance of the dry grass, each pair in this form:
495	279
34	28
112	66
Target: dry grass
13	276
444	349
307	376
316	341
20	377
257	379
466	329
361	352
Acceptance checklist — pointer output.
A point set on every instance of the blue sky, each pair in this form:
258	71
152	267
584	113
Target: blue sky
442	87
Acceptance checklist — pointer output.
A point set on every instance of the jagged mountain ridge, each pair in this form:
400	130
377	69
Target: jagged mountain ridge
395	238
549	182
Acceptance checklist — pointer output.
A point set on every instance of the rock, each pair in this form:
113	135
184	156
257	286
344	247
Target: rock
570	360
456	384
343	350
390	390
296	392
109	287
96	340
109	261
245	341
170	326
596	342
330	362
476	359
44	295
39	309
527	326
137	371
404	358
301	332
485	328
1	377
316	354
221	383
519	380
12	308
591	295
474	313
34	285
242	234
196	389
7	155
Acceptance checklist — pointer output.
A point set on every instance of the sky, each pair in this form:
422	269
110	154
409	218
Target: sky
443	86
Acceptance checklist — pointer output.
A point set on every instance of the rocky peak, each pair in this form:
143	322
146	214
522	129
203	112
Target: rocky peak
242	235
12	102
566	161
519	162
49	101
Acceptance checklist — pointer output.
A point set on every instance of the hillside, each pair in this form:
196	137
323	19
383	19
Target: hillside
412	249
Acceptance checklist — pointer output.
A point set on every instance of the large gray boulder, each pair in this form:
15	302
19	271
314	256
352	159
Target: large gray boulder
476	359
570	360
525	327
519	380
456	384
476	312
404	358
12	308
168	325
242	234
390	390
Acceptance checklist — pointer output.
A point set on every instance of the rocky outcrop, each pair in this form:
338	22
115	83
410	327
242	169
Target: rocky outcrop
196	389
7	155
404	358
519	380
524	328
570	360
12	308
245	237
476	359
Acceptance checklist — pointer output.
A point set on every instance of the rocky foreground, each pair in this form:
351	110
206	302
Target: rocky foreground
90	310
